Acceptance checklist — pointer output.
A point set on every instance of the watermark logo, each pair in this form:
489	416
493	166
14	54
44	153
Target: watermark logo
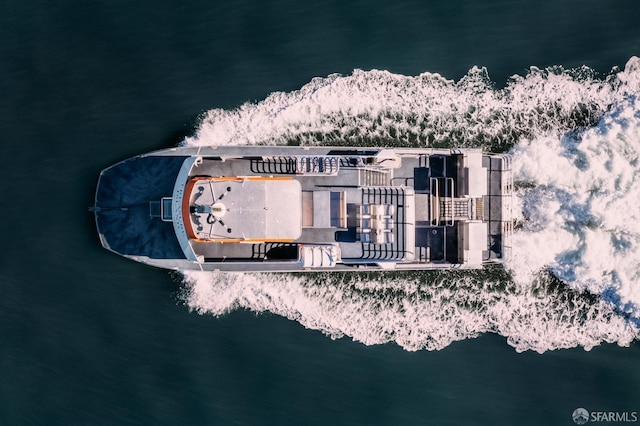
580	416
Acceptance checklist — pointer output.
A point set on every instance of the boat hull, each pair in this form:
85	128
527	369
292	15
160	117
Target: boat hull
224	209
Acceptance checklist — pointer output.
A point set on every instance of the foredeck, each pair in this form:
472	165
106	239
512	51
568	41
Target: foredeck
122	207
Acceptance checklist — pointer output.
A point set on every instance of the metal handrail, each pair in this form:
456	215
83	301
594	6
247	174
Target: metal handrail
434	208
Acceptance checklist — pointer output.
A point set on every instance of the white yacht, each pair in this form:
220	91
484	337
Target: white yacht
287	209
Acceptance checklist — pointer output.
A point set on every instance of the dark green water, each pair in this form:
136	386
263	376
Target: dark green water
90	338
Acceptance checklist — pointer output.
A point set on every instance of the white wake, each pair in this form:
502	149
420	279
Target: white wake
575	140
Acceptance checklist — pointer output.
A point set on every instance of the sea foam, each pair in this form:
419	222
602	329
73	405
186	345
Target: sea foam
573	279
581	217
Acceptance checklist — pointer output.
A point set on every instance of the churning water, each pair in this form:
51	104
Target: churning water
574	277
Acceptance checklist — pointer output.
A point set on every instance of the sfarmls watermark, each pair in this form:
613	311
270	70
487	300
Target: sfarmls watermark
581	416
